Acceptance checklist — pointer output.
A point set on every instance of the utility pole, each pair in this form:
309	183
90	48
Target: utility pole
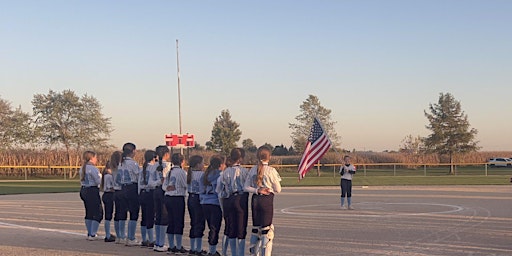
179	89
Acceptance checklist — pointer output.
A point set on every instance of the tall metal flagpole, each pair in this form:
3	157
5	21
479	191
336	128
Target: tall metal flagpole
179	89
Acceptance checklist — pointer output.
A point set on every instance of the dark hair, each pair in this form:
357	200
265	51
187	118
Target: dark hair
160	152
115	159
193	161
107	167
236	155
177	159
263	155
149	155
128	150
215	162
87	156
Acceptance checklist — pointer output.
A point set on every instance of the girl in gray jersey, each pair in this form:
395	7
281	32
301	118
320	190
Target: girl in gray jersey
263	182
107	186
347	171
90	179
195	211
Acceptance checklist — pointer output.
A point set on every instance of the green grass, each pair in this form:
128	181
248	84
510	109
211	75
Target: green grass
289	179
38	186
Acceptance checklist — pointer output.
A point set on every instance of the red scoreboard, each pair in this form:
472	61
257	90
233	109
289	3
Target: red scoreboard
180	140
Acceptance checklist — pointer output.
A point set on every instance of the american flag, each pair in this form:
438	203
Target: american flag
318	144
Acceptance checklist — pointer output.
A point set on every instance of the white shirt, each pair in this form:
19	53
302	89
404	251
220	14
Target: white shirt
92	176
346	175
176	177
232	180
128	171
156	177
108	183
145	185
271	179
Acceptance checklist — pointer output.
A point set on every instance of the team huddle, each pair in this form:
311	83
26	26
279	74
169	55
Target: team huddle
161	188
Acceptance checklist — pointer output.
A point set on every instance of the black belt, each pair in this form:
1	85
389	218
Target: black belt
193	194
128	184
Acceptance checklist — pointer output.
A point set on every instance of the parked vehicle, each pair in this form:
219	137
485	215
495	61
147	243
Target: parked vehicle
500	162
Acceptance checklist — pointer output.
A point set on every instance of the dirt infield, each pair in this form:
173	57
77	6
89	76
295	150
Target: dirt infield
440	220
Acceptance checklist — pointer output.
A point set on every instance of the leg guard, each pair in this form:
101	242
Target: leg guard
106	226
267	234
94	227
255	242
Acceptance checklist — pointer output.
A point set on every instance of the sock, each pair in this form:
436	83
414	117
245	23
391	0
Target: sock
95	225
88	226
122	228
192	244
199	244
349	201
116	228
213	249
143	233
170	238
163	229
132	226
225	245
158	240
150	232
179	239
106	225
241	246
342	201
232	246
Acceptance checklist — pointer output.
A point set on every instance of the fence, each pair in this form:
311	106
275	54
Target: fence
373	169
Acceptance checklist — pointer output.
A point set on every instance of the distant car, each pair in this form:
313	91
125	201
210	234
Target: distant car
500	162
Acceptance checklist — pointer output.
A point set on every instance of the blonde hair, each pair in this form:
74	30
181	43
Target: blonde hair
263	155
87	156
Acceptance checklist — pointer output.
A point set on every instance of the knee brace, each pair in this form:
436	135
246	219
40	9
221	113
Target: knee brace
255	242
267	234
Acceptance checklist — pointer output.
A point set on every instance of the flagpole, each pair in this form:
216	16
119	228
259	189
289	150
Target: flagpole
179	89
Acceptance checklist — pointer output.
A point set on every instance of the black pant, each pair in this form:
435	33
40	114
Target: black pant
147	207
131	196
108	203
195	212
262	207
346	188
161	217
234	212
92	203
213	216
120	206
175	206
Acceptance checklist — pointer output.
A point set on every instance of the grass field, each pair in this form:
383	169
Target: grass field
289	179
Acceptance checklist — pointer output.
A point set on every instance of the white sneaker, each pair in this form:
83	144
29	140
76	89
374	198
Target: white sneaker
93	238
133	242
162	248
121	241
350	208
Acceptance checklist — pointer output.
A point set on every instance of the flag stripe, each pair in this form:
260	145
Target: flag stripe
318	144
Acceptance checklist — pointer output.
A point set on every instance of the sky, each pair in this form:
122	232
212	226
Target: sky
377	65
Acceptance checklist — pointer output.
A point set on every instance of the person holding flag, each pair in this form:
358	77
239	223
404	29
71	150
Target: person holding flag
346	171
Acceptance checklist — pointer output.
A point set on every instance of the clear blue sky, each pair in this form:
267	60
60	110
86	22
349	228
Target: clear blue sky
376	64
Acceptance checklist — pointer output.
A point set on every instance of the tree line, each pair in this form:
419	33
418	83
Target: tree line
65	121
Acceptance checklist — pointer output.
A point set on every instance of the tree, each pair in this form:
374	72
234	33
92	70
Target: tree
310	108
280	151
412	147
451	132
64	119
249	146
225	133
15	126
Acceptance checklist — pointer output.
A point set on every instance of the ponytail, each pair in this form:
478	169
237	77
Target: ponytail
87	156
263	155
128	151
160	152
193	162
215	162
102	184
149	155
